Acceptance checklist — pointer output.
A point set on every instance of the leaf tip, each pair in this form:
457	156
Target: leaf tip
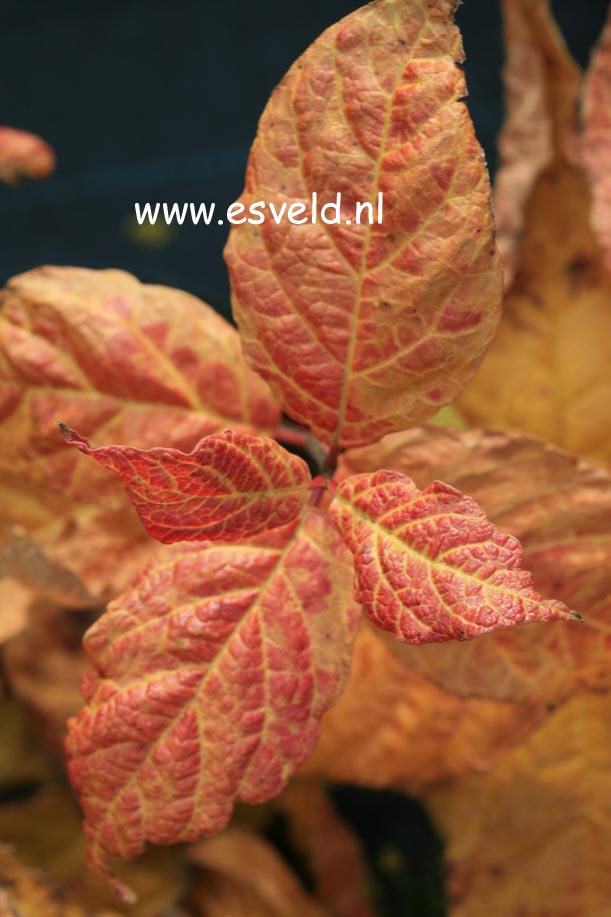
71	436
125	894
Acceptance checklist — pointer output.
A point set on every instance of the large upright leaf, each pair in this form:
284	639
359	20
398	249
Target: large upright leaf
559	508
429	566
548	370
533	836
364	329
231	485
213	672
23	155
597	138
541	85
114	358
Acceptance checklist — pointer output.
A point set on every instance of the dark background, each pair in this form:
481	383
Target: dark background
150	100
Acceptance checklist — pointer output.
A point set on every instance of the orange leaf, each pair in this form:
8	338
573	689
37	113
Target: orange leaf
23	155
214	670
597	138
103	546
241	875
559	508
334	854
23	560
364	329
27	893
45	832
231	485
391	729
44	666
548	370
532	837
541	85
429	566
117	359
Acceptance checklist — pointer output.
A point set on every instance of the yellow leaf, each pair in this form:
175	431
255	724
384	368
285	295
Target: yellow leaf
548	370
533	837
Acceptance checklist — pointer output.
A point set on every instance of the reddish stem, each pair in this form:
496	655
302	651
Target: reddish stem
329	465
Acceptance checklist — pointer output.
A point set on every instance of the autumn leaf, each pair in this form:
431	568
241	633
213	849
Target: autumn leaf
335	858
23	560
81	558
393	730
559	508
231	485
45	832
541	85
363	329
104	546
116	359
15	601
23	155
548	370
597	139
533	835
429	566
44	665
26	893
241	875
214	670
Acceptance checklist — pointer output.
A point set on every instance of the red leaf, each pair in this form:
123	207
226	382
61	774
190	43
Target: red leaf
115	358
429	566
364	329
23	155
214	670
232	485
559	508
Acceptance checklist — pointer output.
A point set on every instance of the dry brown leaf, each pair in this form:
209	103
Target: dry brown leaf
80	559
548	370
560	509
46	833
103	546
541	85
533	837
391	729
44	666
241	875
23	560
27	893
597	138
335	857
